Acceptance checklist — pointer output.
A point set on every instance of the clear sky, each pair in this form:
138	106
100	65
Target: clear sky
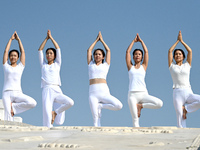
75	24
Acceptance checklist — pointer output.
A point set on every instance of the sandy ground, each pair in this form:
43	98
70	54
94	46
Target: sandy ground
23	136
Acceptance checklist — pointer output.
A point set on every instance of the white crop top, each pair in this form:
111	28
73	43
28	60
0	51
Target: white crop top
180	75
137	79
99	71
12	77
50	73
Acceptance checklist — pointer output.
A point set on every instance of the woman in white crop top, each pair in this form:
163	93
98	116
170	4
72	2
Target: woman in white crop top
138	96
52	95
99	94
183	98
14	100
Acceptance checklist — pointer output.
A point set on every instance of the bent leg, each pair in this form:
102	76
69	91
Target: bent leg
22	103
62	103
110	102
192	103
151	102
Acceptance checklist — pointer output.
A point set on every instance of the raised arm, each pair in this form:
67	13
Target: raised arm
128	55
146	55
22	57
43	43
189	50
52	39
170	53
5	55
106	48
89	51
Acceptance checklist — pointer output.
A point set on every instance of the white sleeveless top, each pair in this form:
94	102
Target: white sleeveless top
180	75
99	71
137	79
12	77
50	73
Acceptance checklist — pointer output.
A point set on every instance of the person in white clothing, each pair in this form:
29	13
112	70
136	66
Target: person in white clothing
138	96
52	96
99	94
14	100
183	98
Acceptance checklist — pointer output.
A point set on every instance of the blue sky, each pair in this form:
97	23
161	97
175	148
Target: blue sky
75	25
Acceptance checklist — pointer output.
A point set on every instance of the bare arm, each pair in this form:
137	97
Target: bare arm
106	48
89	51
189	50
22	57
146	55
170	55
43	44
5	56
128	55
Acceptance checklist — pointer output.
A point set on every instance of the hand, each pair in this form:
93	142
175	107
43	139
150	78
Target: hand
13	36
138	38
97	39
48	34
180	36
16	36
100	36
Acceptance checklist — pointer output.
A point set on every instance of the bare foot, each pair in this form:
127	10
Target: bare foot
12	112
184	113
53	116
139	108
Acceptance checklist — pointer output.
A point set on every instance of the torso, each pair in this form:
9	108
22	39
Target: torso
97	73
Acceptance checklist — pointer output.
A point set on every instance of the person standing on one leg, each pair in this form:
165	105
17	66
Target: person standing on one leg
184	99
52	95
99	94
138	96
14	100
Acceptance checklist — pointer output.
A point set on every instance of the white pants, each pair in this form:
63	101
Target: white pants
52	97
185	97
20	103
143	98
100	98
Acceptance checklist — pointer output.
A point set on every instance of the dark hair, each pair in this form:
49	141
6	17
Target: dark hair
102	51
13	50
54	51
181	52
138	50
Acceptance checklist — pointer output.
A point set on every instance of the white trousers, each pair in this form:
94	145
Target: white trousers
20	103
100	98
185	97
143	98
52	97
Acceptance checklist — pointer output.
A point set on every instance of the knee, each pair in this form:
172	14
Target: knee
71	103
119	106
159	104
33	103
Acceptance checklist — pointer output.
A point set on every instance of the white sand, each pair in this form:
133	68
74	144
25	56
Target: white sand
23	136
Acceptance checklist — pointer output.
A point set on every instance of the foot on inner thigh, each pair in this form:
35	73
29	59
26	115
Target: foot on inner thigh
12	112
139	108
184	113
53	116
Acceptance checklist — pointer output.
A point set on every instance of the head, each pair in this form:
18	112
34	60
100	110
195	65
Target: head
13	56
51	54
178	55
99	55
137	55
